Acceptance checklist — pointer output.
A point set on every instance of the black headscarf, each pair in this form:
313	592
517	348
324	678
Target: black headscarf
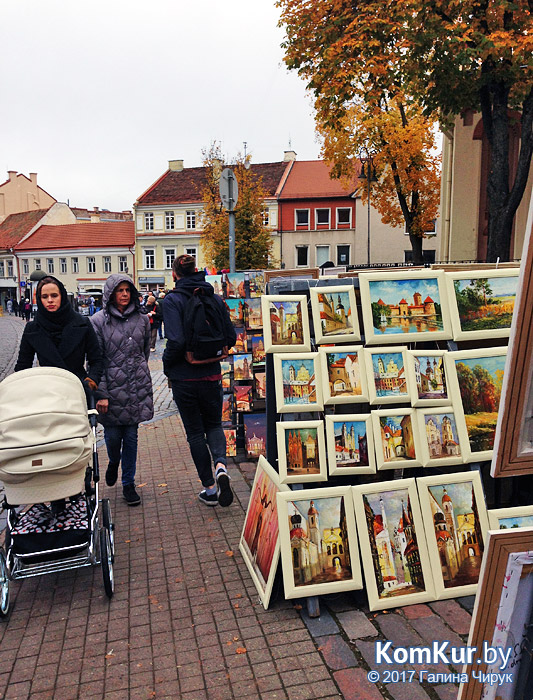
54	322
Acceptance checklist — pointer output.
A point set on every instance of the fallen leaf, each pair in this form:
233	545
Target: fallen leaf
240	650
229	553
139	486
127	541
109	654
235	639
297	606
161	484
239	595
229	643
236	606
164	491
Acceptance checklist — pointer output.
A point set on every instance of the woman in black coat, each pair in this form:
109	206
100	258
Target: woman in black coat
60	337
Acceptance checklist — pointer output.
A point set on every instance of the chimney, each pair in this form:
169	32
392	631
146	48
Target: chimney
12	175
95	215
33	178
288	156
175	165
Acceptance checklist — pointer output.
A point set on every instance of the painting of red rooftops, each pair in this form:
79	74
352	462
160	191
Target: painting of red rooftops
285	323
404	305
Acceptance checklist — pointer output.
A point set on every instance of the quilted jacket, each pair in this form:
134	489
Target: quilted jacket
125	341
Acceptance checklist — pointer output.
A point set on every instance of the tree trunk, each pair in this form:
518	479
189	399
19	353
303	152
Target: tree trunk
416	245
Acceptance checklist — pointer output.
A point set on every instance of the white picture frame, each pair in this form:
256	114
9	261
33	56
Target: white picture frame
426	376
396	438
301	451
285	323
334	320
511	518
350	444
303	393
344	374
386	370
440	440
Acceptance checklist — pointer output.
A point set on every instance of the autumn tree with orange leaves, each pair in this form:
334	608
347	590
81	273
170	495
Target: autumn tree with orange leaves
445	56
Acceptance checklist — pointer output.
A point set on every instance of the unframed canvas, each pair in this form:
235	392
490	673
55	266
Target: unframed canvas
334	312
344	374
393	544
319	552
301	451
350	444
285	323
259	543
455	521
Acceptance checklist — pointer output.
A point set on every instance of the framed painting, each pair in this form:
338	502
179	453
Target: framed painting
256	282
410	306
258	349
319	551
243	397
254	317
396	439
285	323
241	344
501	620
298	383
511	518
216	282
343	374
386	375
426	378
308	273
455	521
301	451
513	443
260	385
228	406
235	285
334	312
242	366
350	444
231	441
259	543
440	444
475	379
237	311
226	369
393	544
255	434
482	302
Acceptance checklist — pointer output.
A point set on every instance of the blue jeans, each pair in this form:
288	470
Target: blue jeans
121	441
200	407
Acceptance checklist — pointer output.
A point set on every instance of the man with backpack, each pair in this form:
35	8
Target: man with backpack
199	334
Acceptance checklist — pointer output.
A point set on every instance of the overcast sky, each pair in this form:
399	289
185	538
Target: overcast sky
97	97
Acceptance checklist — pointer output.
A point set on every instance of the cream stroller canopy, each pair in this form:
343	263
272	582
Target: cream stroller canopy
45	436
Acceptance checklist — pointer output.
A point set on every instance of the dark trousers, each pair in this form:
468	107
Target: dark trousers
200	407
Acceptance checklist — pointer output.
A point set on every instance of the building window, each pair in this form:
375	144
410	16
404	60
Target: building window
26	266
91	264
149	258
149	221
265	214
122	263
191	220
302	256
106	263
75	265
344	217
302	217
191	251
169	220
10	268
427	255
343	255
2	269
37	263
50	265
170	254
322	217
322	254
63	265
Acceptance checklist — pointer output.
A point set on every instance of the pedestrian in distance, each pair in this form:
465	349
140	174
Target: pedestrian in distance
155	320
27	310
9	306
159	308
196	380
15	307
125	396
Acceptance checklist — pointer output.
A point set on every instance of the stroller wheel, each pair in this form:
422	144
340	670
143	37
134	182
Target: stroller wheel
107	562
4	585
107	522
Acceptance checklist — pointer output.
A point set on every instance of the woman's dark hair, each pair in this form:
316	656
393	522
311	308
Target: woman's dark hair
47	280
184	265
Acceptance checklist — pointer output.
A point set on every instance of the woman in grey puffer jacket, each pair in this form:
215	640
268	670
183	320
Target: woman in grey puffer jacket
125	396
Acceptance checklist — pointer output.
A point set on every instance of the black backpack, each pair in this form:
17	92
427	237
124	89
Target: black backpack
204	326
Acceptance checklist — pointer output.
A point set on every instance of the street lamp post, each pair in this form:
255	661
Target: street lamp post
370	176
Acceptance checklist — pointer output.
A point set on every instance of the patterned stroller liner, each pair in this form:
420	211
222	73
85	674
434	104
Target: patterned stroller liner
38	529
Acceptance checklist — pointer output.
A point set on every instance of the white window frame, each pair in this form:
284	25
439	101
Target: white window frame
25	266
191	250
106	263
170	254
265	216
2	269
190	219
75	265
169	221
343	245
344	223
50	266
323	223
9	268
301	226
316	253
37	263
91	264
148	220
149	258
296	249
63	265
123	263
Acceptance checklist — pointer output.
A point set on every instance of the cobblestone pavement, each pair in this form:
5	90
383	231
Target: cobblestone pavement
185	622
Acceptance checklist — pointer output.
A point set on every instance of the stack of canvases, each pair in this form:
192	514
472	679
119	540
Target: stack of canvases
382	406
243	373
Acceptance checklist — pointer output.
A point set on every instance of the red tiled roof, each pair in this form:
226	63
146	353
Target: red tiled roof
16	226
108	234
310	178
177	186
428	300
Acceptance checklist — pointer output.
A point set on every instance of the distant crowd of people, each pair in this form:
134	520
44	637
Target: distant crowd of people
23	309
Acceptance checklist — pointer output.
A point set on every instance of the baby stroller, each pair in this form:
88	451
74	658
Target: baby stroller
49	469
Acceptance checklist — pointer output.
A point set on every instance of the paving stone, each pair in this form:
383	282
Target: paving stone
320	626
396	629
354	685
433	628
368	652
454	615
336	652
412	612
467	602
447	691
356	625
407	691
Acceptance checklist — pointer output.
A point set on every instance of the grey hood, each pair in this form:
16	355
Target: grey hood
111	284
